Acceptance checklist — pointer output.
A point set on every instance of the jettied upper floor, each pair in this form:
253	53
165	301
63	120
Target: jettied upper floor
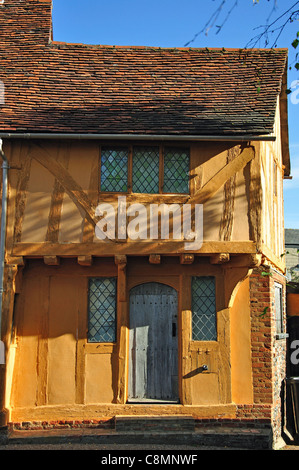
64	106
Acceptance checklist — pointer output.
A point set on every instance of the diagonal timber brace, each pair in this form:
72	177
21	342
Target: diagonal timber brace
218	180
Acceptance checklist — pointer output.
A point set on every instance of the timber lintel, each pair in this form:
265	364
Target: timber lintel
121	250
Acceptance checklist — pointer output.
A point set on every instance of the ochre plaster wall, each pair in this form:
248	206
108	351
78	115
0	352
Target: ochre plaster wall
241	361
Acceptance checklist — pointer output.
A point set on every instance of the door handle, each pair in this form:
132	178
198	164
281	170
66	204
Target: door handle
174	330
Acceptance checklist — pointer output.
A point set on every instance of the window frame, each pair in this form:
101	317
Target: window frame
193	339
88	339
162	150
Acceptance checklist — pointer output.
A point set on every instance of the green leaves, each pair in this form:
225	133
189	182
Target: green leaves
264	273
264	312
295	43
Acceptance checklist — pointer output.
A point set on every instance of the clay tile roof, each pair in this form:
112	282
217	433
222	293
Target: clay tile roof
75	88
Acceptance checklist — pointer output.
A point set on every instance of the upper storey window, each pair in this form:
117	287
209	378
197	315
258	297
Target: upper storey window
151	169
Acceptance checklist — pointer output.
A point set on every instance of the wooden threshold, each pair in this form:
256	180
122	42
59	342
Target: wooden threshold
149	401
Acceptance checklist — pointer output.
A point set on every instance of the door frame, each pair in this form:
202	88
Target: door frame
170	281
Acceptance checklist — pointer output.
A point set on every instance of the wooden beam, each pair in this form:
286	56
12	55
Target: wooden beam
52	260
57	200
73	189
93	192
21	198
249	260
220	258
16	260
218	180
186	258
226	224
80	371
85	260
154	259
255	260
185	324
42	366
167	247
122	329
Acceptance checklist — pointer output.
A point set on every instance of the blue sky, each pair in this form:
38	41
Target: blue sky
173	23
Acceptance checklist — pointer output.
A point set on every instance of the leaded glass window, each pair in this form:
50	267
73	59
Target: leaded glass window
114	170
145	177
150	169
102	310
204	326
176	171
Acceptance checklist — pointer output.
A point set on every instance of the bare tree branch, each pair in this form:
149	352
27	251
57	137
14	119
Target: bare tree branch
268	30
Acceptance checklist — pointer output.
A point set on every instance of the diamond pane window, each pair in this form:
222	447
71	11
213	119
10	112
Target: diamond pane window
114	170
145	178
176	171
204	309
102	310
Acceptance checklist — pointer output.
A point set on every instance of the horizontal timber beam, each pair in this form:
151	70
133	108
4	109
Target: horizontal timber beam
105	249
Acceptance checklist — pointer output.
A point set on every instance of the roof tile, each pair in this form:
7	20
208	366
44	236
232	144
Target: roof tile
76	88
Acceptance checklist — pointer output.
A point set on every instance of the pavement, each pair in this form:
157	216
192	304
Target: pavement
142	436
98	440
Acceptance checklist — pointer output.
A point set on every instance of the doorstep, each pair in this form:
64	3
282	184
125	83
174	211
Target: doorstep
152	431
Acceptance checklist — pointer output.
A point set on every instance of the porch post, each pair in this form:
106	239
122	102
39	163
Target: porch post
7	315
122	329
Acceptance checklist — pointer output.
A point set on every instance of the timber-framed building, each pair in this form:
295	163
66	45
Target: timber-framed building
138	325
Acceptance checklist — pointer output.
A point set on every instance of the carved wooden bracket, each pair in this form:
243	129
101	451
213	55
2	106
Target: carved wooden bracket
155	259
52	260
120	260
85	260
220	258
186	258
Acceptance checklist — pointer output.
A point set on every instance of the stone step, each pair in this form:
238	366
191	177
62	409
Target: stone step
206	437
148	424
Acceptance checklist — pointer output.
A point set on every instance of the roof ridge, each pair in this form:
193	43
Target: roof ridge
146	47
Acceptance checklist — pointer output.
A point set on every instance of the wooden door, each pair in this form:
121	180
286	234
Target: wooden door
153	340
